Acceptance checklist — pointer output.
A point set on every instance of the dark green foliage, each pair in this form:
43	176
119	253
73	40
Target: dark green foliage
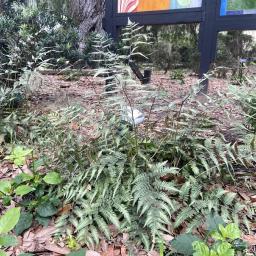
8	220
24	223
241	5
178	75
245	96
46	209
8	241
176	46
224	241
183	244
233	46
166	56
44	221
213	222
50	30
10	98
32	192
35	37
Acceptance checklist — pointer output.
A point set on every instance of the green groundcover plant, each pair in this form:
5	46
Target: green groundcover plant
34	189
220	240
7	222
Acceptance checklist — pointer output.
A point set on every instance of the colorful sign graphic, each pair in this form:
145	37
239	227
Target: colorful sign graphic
129	6
237	7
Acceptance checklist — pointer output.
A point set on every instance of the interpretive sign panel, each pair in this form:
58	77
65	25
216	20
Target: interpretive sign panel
238	7
212	15
131	6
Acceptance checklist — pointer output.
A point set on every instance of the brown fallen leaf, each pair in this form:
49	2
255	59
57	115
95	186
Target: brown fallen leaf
244	196
153	253
123	251
28	242
3	171
65	209
103	245
109	251
44	234
26	170
250	239
125	238
167	238
92	253
56	248
75	126
35	241
116	252
253	199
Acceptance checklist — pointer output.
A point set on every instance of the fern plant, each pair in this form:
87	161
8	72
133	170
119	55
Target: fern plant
113	68
121	182
143	185
246	97
134	182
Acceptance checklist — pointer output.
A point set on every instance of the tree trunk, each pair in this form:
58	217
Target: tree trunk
4	5
89	15
1	6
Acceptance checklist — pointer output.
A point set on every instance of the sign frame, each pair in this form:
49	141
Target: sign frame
208	16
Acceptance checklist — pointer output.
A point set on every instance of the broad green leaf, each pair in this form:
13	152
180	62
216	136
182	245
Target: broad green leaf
9	220
217	236
23	190
53	178
42	221
201	249
55	201
81	252
18	155
23	177
2	253
24	223
183	244
8	240
5	186
37	163
232	231
46	210
213	222
6	200
225	249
